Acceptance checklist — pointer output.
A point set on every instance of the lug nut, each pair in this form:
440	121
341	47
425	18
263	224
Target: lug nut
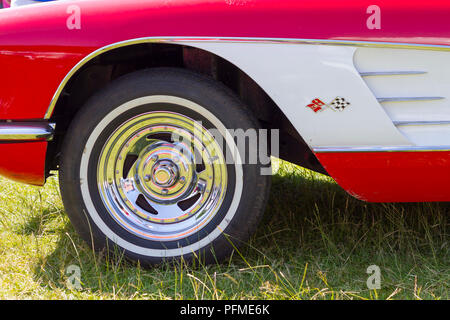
165	191
182	180
147	178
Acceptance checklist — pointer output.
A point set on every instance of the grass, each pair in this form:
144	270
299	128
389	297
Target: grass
315	242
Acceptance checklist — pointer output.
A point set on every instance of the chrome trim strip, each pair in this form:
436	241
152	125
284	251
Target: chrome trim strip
26	131
420	123
390	73
382	149
408	99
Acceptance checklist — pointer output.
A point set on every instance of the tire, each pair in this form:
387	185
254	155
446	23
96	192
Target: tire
143	170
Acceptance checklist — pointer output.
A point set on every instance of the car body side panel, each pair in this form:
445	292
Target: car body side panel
29	78
38	51
41	31
294	75
391	176
24	161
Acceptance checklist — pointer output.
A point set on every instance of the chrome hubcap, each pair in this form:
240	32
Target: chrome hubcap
165	174
165	167
162	176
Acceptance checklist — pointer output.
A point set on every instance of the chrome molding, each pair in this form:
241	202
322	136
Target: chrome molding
408	99
235	40
26	131
420	123
390	73
381	149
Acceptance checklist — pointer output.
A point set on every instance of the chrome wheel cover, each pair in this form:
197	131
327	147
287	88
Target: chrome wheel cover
162	176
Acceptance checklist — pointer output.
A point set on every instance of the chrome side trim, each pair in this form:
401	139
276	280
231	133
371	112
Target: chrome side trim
382	149
236	40
26	131
408	99
390	73
420	123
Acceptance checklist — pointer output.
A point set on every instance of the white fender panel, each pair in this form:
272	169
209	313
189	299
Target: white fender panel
295	74
429	76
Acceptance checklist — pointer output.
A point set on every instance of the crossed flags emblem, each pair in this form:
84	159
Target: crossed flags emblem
338	104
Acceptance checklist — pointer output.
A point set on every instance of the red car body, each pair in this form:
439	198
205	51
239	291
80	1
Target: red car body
38	53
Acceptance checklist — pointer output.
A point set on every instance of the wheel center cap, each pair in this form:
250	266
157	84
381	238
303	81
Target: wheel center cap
162	176
165	173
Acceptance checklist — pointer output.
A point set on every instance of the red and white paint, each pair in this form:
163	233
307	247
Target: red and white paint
40	45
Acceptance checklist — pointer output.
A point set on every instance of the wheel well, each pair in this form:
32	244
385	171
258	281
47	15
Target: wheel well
103	69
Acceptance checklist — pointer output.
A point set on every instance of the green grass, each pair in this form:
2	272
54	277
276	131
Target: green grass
315	242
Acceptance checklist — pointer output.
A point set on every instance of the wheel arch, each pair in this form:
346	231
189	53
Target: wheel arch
106	64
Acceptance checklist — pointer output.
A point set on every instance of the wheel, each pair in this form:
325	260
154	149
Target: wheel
149	166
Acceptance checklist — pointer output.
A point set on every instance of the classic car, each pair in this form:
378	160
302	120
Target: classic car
138	105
